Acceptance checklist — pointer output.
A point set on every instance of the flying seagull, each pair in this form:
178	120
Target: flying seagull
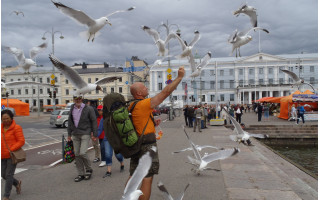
14	83
77	81
297	81
167	195
242	136
82	18
156	63
196	70
198	147
17	12
238	39
201	162
131	191
157	40
186	49
250	11
23	62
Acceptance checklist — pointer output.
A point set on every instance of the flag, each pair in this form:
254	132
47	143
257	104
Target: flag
186	90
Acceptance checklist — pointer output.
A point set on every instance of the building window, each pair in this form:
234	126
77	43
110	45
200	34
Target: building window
212	97
281	68
251	71
112	90
240	71
97	79
67	91
26	91
221	97
231	97
41	91
19	92
221	84
40	80
67	82
48	80
312	80
120	79
212	84
12	92
97	91
270	81
260	81
260	70
192	98
203	73
281	81
159	74
89	80
290	80
202	85
231	72
251	81
104	90
221	72
231	84
25	79
240	82
19	79
311	68
290	68
212	73
203	98
159	86
120	89
270	70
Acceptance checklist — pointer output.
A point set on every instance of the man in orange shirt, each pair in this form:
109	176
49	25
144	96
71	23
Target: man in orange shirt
142	115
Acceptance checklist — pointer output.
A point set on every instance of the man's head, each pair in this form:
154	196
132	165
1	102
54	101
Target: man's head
100	109
139	90
78	100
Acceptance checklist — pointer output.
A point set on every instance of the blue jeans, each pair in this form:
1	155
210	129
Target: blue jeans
102	150
109	153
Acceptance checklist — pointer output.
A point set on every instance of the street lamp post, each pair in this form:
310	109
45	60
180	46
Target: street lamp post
52	32
168	26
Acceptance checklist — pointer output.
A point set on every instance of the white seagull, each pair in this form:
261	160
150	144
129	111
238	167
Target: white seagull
77	81
201	162
156	63
17	12
238	39
157	40
196	70
297	81
131	191
14	83
82	18
242	136
23	62
167	195
198	147
250	11
186	49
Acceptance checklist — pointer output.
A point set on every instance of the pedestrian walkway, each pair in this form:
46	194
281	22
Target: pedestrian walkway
254	173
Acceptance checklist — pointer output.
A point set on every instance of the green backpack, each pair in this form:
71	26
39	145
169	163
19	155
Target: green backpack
118	127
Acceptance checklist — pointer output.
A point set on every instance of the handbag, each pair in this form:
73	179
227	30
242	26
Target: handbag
16	156
69	152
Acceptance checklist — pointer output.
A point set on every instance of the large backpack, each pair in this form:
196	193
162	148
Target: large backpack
118	127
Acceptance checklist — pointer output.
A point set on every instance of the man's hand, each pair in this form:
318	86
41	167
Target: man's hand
92	137
181	72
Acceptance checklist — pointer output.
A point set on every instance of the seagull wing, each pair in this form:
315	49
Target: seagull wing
18	53
106	80
195	39
68	72
310	86
34	51
233	36
152	32
220	155
193	146
119	11
26	83
291	74
236	125
205	60
77	15
164	191
251	29
180	197
192	63
253	18
258	135
141	171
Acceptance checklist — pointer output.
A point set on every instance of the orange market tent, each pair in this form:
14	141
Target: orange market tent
263	99
21	108
274	100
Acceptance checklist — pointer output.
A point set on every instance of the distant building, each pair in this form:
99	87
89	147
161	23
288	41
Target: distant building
237	80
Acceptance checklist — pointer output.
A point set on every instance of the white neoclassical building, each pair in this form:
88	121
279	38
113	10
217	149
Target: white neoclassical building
237	80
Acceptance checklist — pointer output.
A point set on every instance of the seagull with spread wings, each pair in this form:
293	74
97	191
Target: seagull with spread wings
77	81
94	25
167	195
26	63
250	11
196	70
156	38
15	83
238	39
297	81
17	12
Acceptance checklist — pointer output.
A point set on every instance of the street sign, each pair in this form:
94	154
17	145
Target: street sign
169	70
169	76
168	81
53	82
3	107
52	76
127	82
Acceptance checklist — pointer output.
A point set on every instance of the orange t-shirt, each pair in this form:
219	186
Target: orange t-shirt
140	115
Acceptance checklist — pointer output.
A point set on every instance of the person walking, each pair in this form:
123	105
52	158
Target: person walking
205	116
197	121
140	116
266	112
185	113
82	125
12	138
190	116
231	112
301	112
101	136
238	114
293	113
109	152
259	110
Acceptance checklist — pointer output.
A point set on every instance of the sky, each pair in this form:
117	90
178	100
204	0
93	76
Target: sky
293	27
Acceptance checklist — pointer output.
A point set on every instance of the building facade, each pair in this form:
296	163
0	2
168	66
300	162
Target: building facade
237	80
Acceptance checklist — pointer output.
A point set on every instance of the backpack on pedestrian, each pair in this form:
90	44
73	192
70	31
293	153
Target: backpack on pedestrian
118	126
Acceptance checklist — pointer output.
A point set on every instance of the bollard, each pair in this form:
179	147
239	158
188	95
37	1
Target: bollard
63	148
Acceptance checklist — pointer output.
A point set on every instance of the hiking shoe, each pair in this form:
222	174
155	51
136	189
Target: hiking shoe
121	168
79	178
102	164
107	174
96	160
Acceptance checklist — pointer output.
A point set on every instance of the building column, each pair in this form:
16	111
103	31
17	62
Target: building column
155	81
164	78
260	95
265	76
270	93
151	81
281	93
250	97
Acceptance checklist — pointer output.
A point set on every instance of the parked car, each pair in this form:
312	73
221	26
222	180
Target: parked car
164	109
59	118
156	112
